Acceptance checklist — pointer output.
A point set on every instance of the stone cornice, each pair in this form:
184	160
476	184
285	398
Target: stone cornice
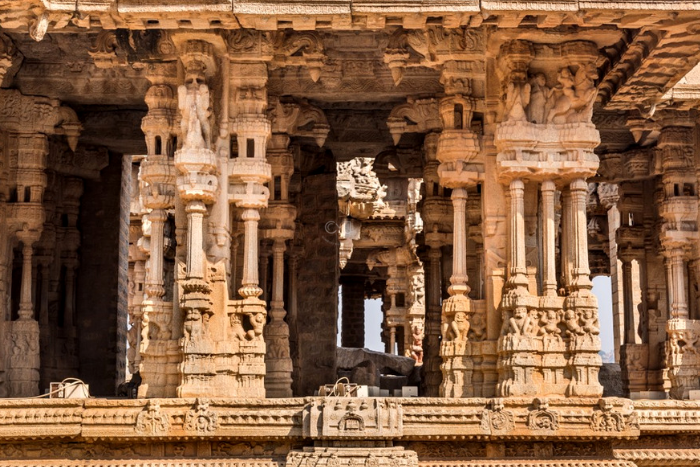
338	14
414	418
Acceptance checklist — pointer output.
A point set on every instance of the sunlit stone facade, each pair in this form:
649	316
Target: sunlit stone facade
191	190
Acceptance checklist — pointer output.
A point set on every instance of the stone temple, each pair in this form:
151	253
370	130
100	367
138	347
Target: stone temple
191	190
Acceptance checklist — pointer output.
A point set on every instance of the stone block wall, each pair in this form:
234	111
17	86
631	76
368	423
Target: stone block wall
353	313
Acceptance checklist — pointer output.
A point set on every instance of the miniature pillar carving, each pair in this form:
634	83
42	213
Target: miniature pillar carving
154	281
679	306
278	380
248	173
581	280
250	282
549	282
433	376
518	270
153	318
459	278
23	374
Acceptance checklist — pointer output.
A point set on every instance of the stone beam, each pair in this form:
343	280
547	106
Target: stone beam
653	63
65	15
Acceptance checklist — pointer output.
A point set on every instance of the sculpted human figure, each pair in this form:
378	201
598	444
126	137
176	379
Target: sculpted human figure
418	288
675	339
145	331
519	324
459	327
417	345
477	328
590	323
539	93
561	97
517	98
572	100
549	324
585	91
572	325
257	321
195	108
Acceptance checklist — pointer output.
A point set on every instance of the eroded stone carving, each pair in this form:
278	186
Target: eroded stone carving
152	421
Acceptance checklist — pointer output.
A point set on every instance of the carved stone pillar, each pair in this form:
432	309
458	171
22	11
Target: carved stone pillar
197	185
548	343
634	354
459	278
580	280
353	321
247	175
136	286
433	375
549	276
292	317
566	240
459	170
518	269
250	281
609	197
679	236
679	306
628	289
155	319
23	371
154	278
278	380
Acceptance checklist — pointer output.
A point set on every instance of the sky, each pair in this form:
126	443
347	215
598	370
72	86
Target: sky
601	288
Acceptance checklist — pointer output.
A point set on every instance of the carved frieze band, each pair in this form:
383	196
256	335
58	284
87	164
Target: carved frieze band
342	418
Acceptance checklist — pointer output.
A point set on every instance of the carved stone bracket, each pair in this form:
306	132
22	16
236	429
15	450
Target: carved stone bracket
431	47
29	114
300	49
298	119
416	116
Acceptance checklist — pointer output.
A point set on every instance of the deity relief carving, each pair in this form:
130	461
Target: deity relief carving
517	98
527	97
496	419
201	419
605	419
573	98
195	106
152	421
541	418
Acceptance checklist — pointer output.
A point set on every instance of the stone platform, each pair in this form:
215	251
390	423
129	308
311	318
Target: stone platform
348	431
